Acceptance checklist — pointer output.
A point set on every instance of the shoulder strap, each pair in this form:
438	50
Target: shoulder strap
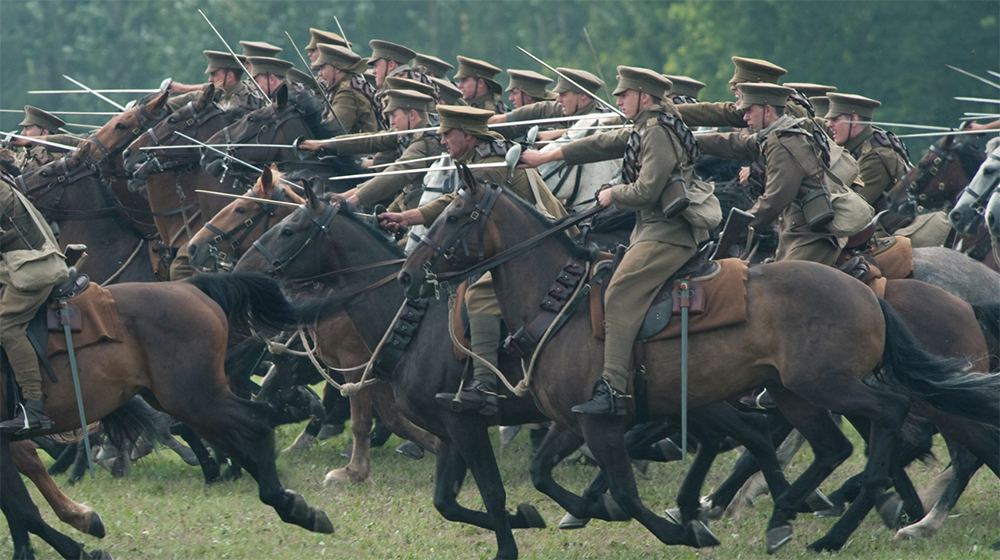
675	124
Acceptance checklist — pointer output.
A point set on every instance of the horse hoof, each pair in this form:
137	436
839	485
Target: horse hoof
95	527
669	450
818	502
674	515
569	522
532	519
322	524
908	533
328	431
702	535
411	450
615	512
778	537
891	511
97	555
304	441
825	545
835	511
336	476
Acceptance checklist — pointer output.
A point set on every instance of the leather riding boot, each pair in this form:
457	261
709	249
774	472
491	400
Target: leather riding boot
480	394
604	400
611	390
31	416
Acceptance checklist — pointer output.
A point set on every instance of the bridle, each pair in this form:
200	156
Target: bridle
265	134
190	126
928	172
263	216
144	120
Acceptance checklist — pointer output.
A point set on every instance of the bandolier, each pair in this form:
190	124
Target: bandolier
685	90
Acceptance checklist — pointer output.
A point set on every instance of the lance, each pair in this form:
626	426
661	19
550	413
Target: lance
951	133
570	80
267	100
100	96
978	100
325	97
100	113
70	91
597	62
64	147
225	155
971	75
431	158
405	171
253	198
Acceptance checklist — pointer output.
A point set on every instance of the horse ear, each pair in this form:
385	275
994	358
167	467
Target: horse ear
158	103
310	193
265	177
207	94
467	178
281	96
82	152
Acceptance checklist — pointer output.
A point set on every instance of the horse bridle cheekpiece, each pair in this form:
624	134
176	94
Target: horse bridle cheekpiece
264	216
481	211
938	166
320	226
143	119
65	176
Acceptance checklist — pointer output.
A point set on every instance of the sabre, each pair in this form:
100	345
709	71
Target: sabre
115	103
597	62
99	113
971	75
583	89
68	91
951	133
225	155
992	73
267	100
979	116
253	198
918	126
176	147
315	81
405	171
10	135
342	34
431	158
978	100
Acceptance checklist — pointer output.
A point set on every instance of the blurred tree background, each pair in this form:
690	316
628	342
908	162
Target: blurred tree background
894	51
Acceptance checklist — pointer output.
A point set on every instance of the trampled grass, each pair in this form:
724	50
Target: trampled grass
163	510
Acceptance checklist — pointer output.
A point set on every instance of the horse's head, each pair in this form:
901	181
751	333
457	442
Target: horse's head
242	222
461	237
199	119
124	128
277	124
965	216
47	187
937	179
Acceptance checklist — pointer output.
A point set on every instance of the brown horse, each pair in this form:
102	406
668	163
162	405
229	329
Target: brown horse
813	349
172	352
241	223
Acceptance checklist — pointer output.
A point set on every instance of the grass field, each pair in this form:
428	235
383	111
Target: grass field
163	510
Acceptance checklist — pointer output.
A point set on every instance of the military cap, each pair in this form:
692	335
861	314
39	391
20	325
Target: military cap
33	116
643	81
339	57
434	65
320	37
218	60
684	86
847	104
755	70
268	65
530	83
446	91
810	90
467	119
407	99
396	82
821	104
259	48
390	51
763	94
589	81
472	68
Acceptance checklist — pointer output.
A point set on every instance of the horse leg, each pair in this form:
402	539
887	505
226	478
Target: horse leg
209	467
64	460
689	496
964	465
359	467
392	416
80	517
80	463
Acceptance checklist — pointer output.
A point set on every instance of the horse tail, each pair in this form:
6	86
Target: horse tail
247	299
133	420
945	383
988	316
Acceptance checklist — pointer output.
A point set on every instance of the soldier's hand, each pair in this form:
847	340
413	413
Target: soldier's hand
534	158
397	221
549	135
744	176
311	146
604	196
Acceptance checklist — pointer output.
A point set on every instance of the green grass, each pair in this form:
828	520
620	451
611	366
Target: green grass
163	510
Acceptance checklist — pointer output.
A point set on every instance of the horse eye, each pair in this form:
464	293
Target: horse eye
44	173
452	219
241	210
171	120
120	126
250	119
287	232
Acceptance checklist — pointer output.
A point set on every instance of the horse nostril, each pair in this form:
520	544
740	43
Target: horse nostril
404	279
126	153
192	250
955	217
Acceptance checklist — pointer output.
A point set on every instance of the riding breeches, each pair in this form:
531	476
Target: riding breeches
17	308
484	326
640	275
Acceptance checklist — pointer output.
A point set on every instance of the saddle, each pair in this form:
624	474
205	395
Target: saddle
878	261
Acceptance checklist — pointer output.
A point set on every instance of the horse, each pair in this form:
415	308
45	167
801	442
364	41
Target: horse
816	355
577	185
172	352
339	345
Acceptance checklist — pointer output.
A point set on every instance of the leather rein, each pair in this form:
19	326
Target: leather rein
190	126
263	216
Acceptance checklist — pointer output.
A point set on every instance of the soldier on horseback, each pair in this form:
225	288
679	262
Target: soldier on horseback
352	97
477	80
30	265
38	123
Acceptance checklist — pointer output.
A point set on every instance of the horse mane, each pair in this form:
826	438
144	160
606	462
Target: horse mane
576	251
313	109
233	115
379	235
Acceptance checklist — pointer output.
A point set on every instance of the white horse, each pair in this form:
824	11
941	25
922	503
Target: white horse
577	185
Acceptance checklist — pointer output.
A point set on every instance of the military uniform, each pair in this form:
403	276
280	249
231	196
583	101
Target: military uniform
37	155
795	164
352	98
240	95
447	92
553	109
655	164
685	90
481	70
22	228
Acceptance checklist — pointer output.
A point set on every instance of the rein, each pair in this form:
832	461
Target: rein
193	124
144	120
927	173
264	216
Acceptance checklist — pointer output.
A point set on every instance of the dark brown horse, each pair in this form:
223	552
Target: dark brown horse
172	352
815	350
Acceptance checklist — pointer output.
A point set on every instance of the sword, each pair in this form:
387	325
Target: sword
69	91
100	113
342	34
429	169
978	100
10	135
244	197
971	75
568	79
952	133
267	100
918	126
188	147
100	96
225	155
326	98
431	158
992	73
597	63
64	316
979	116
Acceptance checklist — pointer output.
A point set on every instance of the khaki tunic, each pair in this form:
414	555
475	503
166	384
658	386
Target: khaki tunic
541	110
30	157
880	166
726	114
489	102
353	109
793	163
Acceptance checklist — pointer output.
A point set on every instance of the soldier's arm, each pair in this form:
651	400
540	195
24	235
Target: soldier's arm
352	144
434	208
539	110
387	186
729	145
599	147
711	114
658	161
346	107
784	176
875	177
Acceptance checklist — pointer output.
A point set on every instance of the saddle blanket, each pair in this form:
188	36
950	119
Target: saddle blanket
99	321
722	302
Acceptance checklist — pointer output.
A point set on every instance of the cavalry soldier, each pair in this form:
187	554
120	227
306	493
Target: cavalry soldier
465	135
685	90
259	48
429	90
22	293
319	37
477	80
269	73
569	99
447	92
432	66
821	104
407	109
659	153
389	59
795	163
527	87
225	73
352	97
37	123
